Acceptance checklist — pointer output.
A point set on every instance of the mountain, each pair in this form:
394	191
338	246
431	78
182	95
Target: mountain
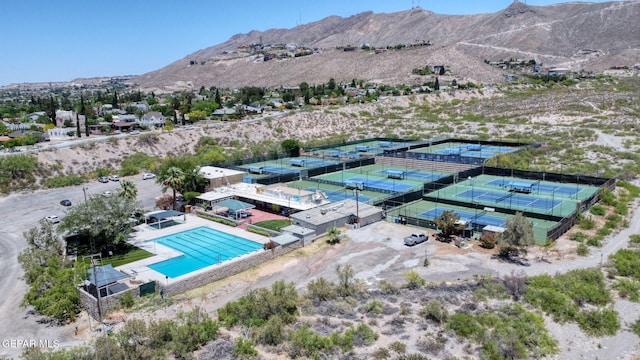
580	36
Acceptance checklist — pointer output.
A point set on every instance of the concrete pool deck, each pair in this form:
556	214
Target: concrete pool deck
145	235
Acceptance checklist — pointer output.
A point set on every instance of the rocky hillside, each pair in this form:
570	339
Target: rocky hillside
581	36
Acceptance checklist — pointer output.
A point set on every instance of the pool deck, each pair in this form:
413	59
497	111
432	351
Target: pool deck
144	236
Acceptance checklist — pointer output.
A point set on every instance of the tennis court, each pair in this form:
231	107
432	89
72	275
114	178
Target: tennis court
339	195
412	174
539	187
278	169
467	150
511	198
480	219
380	184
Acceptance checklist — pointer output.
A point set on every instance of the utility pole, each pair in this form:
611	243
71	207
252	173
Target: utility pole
94	258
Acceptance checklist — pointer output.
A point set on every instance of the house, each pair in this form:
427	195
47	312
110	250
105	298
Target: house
130	118
35	115
224	111
152	119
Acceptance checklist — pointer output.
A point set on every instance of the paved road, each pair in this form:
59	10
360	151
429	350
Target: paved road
19	213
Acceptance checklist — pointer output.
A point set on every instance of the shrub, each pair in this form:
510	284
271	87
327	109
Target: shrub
603	322
594	241
598	210
388	287
398	347
321	290
587	223
244	349
582	250
413	280
578	236
271	333
434	310
628	288
635	327
381	354
488	240
627	263
373	307
634	239
64	181
126	301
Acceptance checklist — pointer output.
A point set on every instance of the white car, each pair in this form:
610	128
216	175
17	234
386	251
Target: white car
148	176
54	219
135	132
114	178
107	193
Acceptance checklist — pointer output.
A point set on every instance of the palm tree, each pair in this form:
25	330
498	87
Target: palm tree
128	190
174	179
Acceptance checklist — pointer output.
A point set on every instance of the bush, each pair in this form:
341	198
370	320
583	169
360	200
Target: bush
244	349
582	250
578	236
271	333
398	347
603	322
627	263
635	327
488	240
413	280
435	311
373	307
598	210
628	288
126	301
321	290
587	223
634	240
64	181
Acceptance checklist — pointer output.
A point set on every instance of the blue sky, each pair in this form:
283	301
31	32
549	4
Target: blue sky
47	40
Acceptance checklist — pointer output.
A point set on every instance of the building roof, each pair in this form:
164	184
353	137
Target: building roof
234	205
335	211
214	196
105	275
160	215
285	239
212	172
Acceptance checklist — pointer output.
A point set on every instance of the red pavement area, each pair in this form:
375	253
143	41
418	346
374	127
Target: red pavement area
259	215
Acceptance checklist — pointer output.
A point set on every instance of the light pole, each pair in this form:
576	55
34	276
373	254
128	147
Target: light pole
84	190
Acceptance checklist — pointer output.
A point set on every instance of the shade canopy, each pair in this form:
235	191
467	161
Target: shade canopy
105	275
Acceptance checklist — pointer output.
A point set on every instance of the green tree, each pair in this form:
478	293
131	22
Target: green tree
173	179
102	220
128	190
448	224
333	236
517	236
51	277
332	84
291	147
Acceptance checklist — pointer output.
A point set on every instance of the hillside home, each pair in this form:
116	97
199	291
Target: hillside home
152	119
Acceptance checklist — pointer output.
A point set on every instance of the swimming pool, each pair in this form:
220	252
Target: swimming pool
201	247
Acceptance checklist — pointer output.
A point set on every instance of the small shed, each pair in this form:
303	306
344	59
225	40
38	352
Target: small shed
107	279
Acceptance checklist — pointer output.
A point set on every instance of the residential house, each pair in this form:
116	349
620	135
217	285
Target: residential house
152	119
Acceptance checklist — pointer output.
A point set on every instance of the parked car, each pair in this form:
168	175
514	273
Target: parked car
65	202
103	179
148	176
415	238
114	178
54	219
107	193
135	132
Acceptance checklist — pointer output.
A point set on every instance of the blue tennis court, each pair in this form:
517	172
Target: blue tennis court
539	187
419	175
337	195
481	218
380	184
279	170
318	162
511	198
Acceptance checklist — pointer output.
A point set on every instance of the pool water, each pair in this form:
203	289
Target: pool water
201	247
